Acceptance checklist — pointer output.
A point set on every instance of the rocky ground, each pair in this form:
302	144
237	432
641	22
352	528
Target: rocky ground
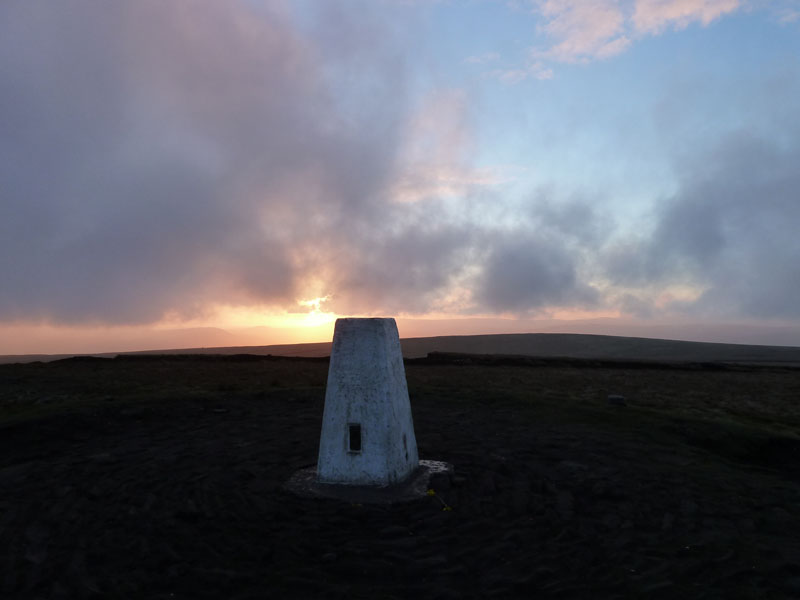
163	478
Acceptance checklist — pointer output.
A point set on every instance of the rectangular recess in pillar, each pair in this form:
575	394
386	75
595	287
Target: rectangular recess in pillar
354	437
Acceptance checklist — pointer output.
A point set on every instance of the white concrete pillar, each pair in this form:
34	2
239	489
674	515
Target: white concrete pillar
367	431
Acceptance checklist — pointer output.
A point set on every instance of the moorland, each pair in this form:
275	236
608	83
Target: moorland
161	476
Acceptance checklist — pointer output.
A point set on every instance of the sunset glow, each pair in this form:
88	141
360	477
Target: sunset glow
241	173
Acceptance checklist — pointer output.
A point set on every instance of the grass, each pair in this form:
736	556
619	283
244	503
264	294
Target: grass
40	389
167	471
737	412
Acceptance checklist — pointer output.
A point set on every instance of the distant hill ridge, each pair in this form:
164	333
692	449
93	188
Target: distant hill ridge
568	345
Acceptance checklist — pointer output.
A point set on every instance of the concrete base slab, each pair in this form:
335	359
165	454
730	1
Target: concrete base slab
304	483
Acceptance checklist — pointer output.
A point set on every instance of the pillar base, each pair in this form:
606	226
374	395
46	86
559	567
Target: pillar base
304	483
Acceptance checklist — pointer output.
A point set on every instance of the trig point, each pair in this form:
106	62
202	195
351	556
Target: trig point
367	447
367	431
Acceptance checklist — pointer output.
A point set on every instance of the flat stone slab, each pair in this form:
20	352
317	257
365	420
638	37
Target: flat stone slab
304	483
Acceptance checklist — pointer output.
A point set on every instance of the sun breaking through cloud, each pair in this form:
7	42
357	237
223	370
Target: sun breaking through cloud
174	162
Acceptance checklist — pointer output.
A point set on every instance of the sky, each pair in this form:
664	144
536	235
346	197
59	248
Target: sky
249	170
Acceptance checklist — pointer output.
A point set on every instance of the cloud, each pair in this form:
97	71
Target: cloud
434	150
654	16
582	29
789	16
730	231
786	12
409	271
162	156
543	260
528	271
482	59
586	30
575	221
534	70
